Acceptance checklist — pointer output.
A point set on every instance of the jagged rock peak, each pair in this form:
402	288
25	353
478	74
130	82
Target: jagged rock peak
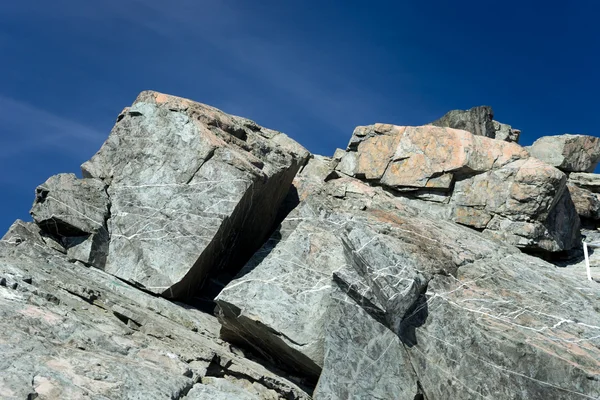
479	121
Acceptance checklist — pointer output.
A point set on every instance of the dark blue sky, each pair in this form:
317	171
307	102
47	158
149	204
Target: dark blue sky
312	69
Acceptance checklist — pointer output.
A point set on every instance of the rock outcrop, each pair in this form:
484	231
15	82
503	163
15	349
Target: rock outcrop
569	153
68	331
392	270
490	185
478	121
395	269
192	191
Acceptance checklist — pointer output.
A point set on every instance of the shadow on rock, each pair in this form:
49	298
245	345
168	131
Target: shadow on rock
415	317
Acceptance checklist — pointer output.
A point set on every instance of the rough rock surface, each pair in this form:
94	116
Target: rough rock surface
192	191
490	185
418	277
72	213
70	332
570	153
587	203
372	284
585	180
479	121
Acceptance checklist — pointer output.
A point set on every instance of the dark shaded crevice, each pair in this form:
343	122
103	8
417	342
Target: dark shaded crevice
184	392
218	368
268	347
210	155
238	238
415	317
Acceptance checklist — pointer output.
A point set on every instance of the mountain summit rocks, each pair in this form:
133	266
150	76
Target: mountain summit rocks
396	269
192	191
487	184
479	121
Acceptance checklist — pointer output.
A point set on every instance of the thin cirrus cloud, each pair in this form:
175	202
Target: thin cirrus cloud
27	128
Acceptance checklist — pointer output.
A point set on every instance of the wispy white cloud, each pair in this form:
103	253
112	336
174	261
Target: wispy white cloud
24	127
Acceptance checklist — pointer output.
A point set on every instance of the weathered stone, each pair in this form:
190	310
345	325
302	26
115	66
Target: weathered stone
66	333
585	180
416	276
478	121
357	347
477	181
192	189
430	157
570	153
72	213
506	132
67	206
587	203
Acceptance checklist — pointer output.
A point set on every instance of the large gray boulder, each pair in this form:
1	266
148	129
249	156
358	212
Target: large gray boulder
415	275
478	121
569	153
192	191
490	185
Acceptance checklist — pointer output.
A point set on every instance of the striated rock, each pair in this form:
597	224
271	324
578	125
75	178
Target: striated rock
570	153
478	121
586	181
357	349
193	191
417	276
390	270
70	332
490	185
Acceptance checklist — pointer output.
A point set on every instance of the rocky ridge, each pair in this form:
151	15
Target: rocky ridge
403	267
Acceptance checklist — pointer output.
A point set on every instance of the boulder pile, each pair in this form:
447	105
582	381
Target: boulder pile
403	267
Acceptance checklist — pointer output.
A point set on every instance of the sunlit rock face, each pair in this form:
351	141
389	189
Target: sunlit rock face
569	153
391	270
354	278
192	191
490	185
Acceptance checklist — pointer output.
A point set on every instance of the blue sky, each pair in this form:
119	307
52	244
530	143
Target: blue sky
312	69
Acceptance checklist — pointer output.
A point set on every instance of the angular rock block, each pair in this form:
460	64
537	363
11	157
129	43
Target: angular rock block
460	314
74	212
68	331
489	185
193	191
587	203
478	121
585	180
569	153
363	359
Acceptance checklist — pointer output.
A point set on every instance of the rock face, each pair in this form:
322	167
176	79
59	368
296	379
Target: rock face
478	121
490	185
192	191
70	332
391	270
570	153
397	270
